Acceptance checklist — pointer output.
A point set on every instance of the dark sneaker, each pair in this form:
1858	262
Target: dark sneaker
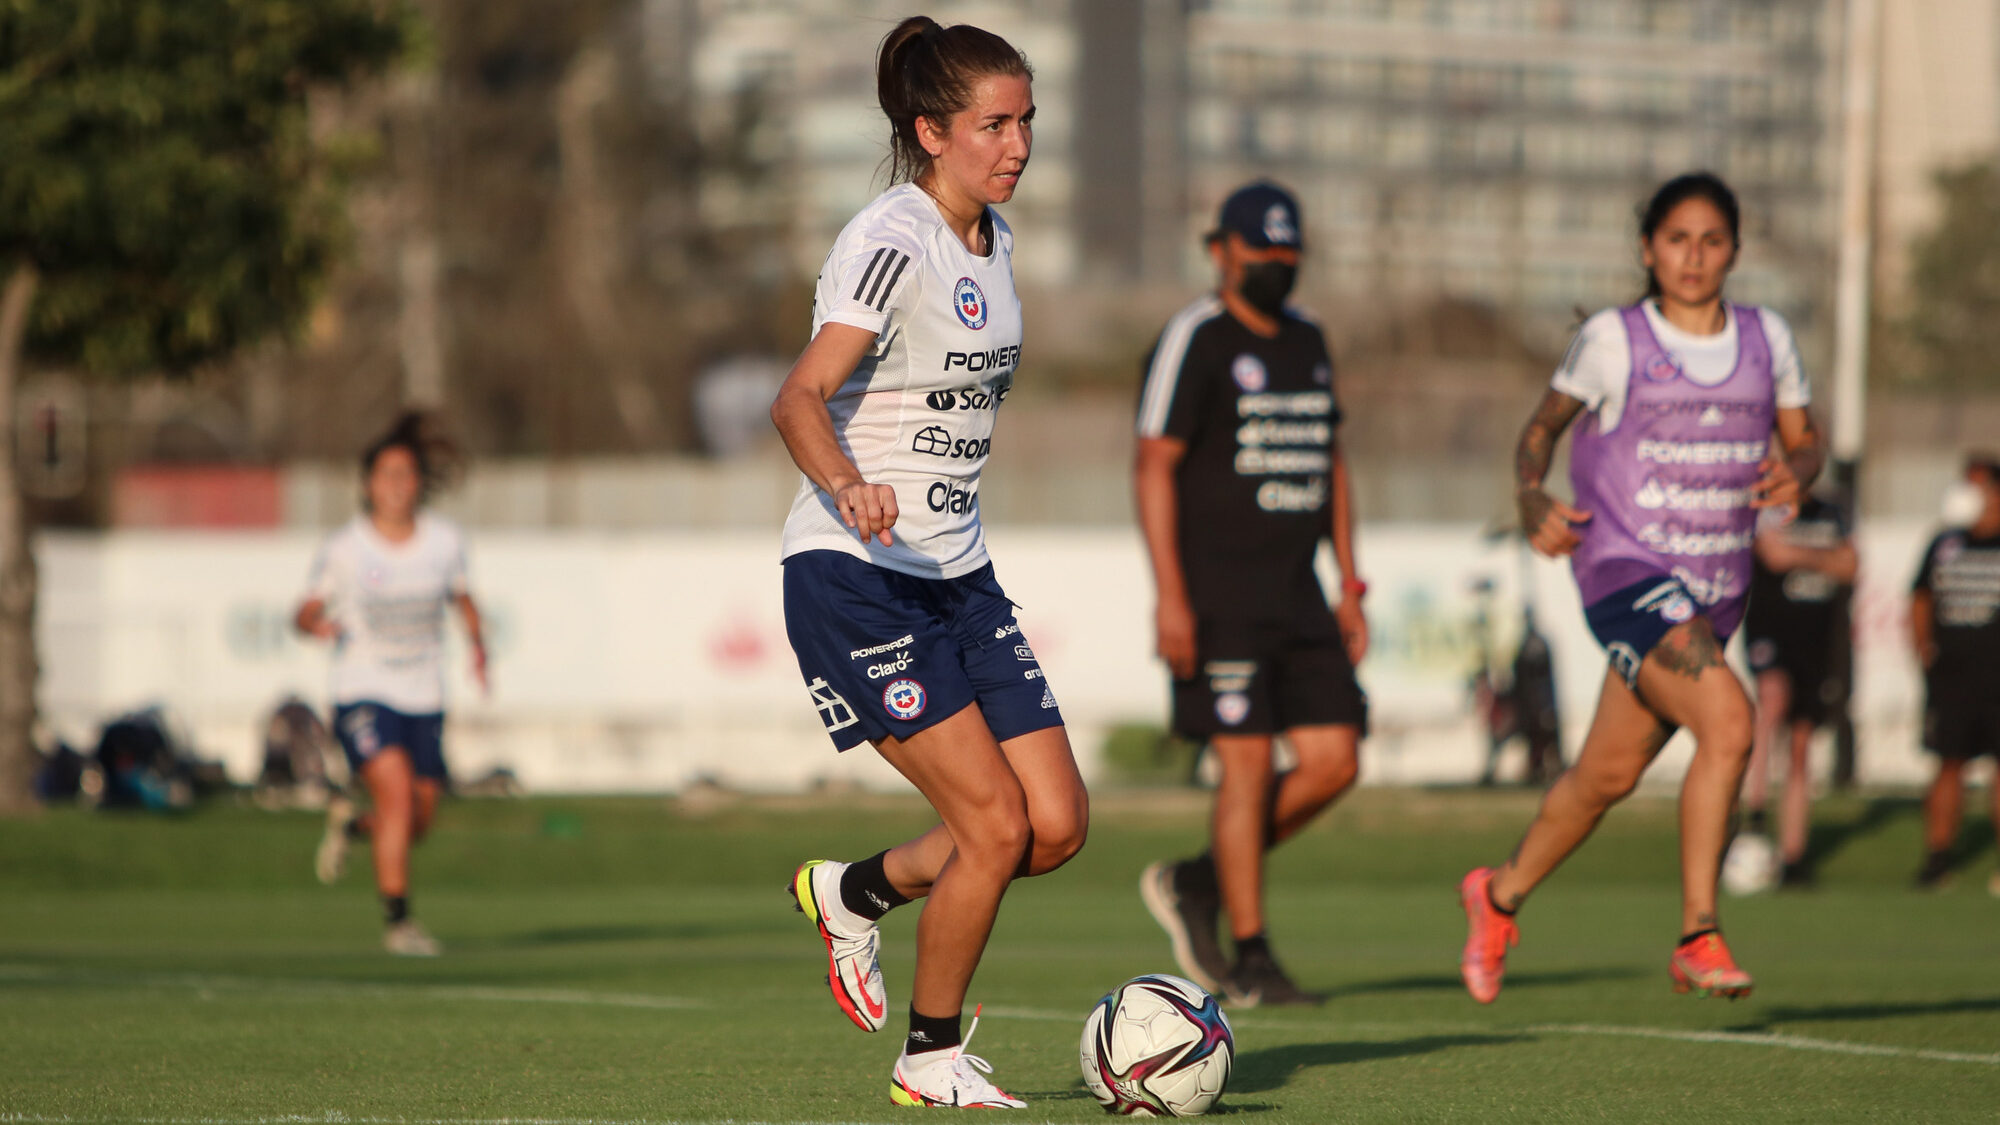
1935	874
1797	876
1259	981
1189	911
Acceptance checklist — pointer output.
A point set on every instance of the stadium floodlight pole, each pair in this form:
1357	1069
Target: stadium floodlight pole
1857	179
1850	320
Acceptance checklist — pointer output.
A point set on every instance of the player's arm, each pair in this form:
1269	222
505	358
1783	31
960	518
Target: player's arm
799	411
1158	499
313	621
1840	563
1923	626
475	636
1353	623
1790	469
1546	522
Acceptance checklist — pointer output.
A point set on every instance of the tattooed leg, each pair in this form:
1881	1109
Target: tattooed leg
1686	682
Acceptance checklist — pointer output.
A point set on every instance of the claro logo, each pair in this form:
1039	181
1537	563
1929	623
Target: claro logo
943	496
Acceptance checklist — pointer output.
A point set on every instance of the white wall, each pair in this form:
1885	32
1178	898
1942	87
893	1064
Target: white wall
647	661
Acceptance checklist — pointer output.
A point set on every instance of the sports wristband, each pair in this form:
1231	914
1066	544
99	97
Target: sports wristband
1353	588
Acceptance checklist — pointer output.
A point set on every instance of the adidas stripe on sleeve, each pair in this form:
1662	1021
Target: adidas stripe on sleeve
1165	406
867	282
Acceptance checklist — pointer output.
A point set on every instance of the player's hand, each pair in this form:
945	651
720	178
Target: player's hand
1777	488
1353	629
1548	523
479	675
1173	623
870	509
325	628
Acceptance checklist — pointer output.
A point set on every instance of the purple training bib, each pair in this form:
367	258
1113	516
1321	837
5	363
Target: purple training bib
1670	487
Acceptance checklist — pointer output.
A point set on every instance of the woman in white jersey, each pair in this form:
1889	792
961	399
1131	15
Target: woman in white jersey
378	591
903	635
1682	395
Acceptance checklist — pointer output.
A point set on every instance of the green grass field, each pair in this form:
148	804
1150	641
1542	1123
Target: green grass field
624	961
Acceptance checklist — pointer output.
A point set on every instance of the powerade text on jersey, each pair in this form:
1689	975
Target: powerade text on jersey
918	412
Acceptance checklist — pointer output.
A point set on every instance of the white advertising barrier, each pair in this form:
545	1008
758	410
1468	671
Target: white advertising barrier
648	662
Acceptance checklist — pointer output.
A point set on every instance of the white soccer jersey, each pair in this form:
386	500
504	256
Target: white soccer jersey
389	601
918	412
1598	367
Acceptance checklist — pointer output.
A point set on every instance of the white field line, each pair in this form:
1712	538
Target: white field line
497	994
1768	1039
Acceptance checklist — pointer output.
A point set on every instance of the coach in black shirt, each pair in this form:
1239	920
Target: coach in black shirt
1238	479
1955	625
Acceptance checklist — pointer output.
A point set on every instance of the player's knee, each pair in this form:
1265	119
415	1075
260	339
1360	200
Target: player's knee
1604	787
1726	730
1057	838
999	835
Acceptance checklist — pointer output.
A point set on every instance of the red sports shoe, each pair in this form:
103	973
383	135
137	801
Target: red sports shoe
1705	968
1488	935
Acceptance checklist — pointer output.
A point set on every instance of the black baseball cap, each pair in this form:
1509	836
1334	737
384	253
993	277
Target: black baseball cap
1264	214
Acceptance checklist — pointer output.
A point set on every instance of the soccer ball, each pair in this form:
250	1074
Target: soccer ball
1750	866
1157	1046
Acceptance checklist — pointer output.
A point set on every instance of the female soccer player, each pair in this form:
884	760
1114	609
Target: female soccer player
903	635
378	592
1683	391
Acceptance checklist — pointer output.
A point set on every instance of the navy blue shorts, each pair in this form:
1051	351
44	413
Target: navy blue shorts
886	654
365	729
1631	622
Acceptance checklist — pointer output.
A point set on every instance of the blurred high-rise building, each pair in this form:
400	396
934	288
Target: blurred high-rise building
1496	150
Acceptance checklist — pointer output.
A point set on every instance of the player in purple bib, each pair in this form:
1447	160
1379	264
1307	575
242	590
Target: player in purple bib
1675	462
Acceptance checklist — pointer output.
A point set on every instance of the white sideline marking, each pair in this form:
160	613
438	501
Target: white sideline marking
1768	1039
499	994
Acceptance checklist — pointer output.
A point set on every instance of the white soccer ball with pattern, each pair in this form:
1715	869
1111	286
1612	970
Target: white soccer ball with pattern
1157	1046
1750	866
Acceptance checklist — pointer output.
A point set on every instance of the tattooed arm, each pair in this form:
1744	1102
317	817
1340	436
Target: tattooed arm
1788	474
1545	520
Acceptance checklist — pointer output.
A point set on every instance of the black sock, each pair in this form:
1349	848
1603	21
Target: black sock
1256	945
865	889
1495	903
356	830
395	908
931	1033
1701	933
1754	822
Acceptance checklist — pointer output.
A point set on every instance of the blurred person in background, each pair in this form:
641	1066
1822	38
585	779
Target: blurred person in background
378	592
1803	572
1681	394
1238	479
904	636
1955	627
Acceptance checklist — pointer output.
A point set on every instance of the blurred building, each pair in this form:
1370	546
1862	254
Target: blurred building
1496	150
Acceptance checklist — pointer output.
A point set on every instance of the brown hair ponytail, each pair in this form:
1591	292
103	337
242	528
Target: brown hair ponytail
925	69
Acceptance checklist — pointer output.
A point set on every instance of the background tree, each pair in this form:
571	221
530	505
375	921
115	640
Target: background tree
164	202
1951	333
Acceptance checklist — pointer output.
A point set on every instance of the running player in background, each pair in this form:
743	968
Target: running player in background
903	634
1238	479
1803	572
1955	626
378	592
1681	395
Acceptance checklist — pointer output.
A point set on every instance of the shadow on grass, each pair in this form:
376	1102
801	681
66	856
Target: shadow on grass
594	935
1893	1010
1826	839
1440	982
1272	1068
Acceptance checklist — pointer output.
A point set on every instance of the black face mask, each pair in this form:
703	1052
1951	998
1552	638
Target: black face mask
1266	285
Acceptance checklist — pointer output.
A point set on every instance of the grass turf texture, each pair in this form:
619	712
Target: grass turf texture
634	960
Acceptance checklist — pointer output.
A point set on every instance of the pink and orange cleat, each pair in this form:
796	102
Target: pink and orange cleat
1489	933
1704	967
